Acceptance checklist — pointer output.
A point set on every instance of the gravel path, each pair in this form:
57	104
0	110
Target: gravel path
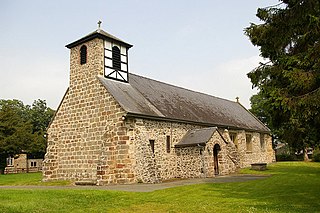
150	187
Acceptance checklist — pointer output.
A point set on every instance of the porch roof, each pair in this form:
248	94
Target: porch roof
196	136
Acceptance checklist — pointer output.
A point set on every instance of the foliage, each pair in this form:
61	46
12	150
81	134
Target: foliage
22	128
289	84
289	157
293	187
285	157
316	155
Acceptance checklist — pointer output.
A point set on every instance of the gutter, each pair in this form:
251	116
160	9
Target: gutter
152	117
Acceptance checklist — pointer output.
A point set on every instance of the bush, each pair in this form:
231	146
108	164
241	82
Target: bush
289	157
284	157
316	155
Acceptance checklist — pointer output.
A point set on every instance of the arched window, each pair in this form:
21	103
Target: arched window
83	54
116	58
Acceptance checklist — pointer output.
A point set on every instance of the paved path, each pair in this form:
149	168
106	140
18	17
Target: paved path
150	187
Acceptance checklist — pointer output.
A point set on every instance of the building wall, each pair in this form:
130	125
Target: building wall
199	161
21	164
91	140
35	165
160	165
188	162
257	153
87	139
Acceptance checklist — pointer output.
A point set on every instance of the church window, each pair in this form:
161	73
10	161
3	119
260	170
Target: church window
249	142
152	145
233	138
168	144
262	142
83	54
116	58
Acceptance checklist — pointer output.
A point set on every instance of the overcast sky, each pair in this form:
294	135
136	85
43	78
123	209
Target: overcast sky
199	45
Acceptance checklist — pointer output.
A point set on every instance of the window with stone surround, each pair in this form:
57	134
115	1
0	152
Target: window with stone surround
168	144
233	138
152	145
262	142
83	54
9	161
249	142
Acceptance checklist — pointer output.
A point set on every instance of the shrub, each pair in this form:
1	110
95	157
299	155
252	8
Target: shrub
284	157
289	157
316	155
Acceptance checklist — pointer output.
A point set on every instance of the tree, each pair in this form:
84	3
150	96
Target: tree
22	128
289	83
40	115
15	130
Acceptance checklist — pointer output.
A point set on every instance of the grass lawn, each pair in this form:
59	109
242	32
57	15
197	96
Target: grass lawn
28	179
293	187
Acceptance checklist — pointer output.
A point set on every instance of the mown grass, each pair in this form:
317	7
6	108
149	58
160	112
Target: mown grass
26	179
293	187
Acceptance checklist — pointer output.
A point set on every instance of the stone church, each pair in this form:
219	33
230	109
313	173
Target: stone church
114	127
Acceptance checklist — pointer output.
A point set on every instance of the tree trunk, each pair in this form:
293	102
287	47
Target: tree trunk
305	154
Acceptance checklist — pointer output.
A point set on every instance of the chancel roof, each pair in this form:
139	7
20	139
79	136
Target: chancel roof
147	98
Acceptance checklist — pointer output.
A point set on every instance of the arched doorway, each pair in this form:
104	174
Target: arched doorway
216	150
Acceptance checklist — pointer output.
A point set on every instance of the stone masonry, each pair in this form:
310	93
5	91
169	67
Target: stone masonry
92	139
87	139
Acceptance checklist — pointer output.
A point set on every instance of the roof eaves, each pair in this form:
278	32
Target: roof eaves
189	145
152	117
97	34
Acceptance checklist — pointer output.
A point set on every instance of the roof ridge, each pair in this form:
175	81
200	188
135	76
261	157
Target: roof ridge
183	88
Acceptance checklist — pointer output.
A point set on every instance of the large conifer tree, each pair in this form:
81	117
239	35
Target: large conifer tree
289	83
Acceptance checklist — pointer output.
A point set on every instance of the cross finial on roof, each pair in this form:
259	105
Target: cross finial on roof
99	24
237	98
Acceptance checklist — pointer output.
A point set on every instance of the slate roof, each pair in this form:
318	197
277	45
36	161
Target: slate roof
196	136
147	98
98	34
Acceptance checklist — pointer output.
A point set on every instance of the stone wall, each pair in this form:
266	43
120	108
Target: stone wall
257	154
189	162
91	139
20	165
199	161
87	139
158	166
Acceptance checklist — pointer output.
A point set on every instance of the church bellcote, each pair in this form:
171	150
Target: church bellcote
115	61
